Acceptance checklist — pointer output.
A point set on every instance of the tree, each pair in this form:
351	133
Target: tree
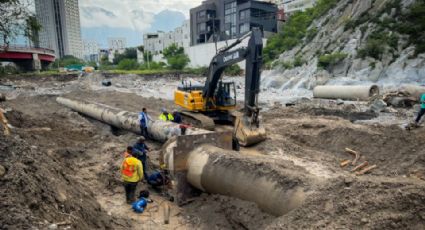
176	57
128	64
32	27
67	60
129	53
16	19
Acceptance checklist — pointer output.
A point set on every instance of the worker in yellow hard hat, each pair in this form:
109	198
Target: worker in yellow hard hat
166	116
131	173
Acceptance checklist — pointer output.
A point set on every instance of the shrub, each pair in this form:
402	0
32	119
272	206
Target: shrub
176	57
66	61
311	33
233	70
374	48
295	30
298	61
128	64
152	65
328	60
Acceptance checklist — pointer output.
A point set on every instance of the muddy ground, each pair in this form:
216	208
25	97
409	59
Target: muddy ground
62	167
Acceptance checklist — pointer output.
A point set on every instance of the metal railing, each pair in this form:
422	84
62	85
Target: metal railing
17	47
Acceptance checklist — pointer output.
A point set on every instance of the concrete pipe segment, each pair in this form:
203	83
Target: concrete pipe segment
347	92
414	90
275	190
160	130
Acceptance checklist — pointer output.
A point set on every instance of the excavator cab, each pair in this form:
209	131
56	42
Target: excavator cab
226	94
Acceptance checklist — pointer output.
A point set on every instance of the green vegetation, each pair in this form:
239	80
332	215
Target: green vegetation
128	64
16	18
129	53
159	71
66	61
176	58
413	24
299	61
295	30
328	60
7	69
377	44
233	70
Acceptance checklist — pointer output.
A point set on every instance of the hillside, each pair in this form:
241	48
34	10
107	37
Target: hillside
347	42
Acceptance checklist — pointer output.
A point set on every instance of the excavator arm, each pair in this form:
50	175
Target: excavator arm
247	127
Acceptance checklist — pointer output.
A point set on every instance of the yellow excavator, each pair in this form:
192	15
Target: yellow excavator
215	101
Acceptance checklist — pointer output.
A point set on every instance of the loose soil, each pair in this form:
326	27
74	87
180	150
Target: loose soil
62	167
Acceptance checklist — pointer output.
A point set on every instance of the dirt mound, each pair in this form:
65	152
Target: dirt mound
345	114
395	151
360	204
38	190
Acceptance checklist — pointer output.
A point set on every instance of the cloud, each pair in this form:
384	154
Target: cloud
134	14
101	19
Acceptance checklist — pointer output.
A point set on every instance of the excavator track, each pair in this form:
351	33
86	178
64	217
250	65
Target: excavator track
198	120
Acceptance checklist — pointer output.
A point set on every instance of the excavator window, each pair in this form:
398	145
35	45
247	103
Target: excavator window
226	94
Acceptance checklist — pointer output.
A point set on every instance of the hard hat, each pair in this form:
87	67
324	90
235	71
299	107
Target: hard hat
142	138
162	166
164	109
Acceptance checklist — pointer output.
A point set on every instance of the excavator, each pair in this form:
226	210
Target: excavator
215	101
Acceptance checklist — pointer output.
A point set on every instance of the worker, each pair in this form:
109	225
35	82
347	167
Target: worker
142	149
165	116
144	120
177	117
131	173
422	110
158	179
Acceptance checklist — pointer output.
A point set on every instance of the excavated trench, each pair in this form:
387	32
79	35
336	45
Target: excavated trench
85	155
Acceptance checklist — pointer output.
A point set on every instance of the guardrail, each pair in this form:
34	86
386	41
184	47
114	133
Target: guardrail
31	49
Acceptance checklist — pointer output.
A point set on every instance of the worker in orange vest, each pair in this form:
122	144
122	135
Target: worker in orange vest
132	173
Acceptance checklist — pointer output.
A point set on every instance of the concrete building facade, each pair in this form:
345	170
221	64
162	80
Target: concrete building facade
91	51
291	6
218	20
61	30
155	43
117	44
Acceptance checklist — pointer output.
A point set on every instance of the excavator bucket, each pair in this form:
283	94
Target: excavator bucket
248	134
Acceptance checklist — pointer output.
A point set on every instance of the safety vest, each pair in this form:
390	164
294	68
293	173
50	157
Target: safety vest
166	118
131	169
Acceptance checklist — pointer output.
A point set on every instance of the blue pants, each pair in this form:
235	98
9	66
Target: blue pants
420	114
145	167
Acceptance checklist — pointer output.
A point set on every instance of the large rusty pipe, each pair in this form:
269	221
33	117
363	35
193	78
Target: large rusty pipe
159	130
347	92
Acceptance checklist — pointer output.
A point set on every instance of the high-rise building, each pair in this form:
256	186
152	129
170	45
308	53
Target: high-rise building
91	51
60	31
228	19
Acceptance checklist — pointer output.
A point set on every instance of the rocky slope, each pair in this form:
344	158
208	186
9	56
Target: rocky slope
355	42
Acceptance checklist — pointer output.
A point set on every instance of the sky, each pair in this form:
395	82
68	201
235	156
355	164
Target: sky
131	18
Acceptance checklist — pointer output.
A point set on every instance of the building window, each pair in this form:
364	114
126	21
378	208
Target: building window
244	14
201	27
230	18
201	14
243	28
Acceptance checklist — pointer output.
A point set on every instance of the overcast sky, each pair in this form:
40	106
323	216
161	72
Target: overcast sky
133	14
